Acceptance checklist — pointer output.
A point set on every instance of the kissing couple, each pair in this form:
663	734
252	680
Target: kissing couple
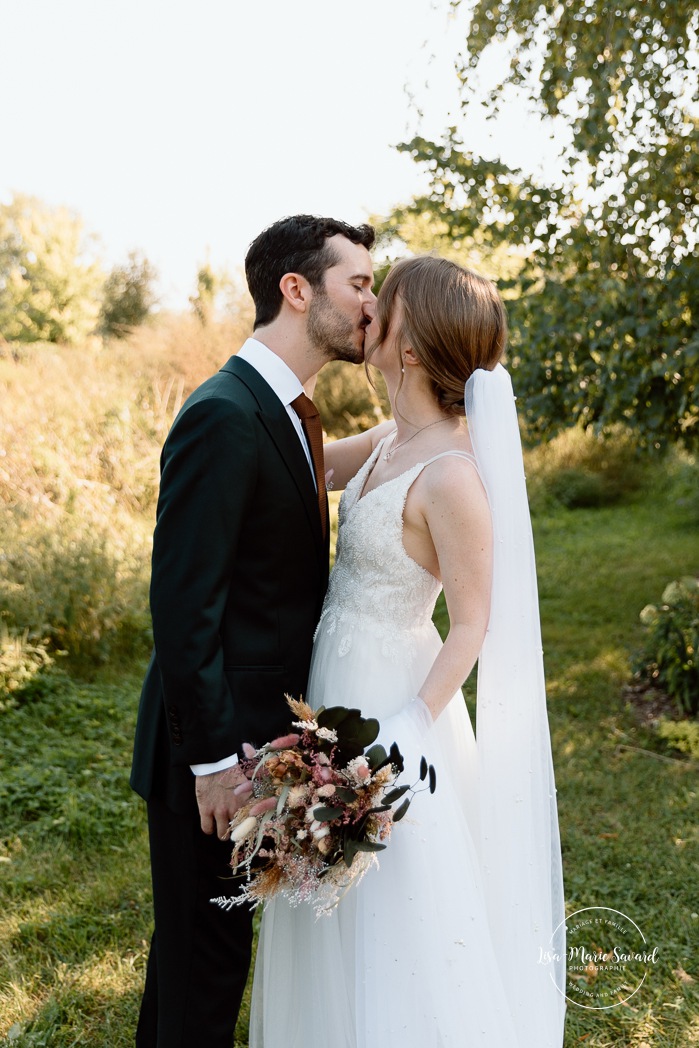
440	946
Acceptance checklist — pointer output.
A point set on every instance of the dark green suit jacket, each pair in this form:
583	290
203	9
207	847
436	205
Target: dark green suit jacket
240	569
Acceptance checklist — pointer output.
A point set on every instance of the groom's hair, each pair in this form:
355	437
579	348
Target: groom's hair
298	244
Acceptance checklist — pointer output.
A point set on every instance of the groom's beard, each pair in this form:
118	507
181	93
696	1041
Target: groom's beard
334	334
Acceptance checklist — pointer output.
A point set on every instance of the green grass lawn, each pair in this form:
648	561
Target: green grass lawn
74	881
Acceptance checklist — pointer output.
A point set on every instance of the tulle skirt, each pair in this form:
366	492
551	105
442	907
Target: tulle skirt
405	960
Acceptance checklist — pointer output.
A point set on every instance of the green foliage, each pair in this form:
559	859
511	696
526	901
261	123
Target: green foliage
604	310
204	301
65	759
128	296
684	482
74	587
681	735
219	295
20	663
579	468
346	401
48	283
669	655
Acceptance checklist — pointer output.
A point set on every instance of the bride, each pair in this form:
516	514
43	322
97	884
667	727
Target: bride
457	939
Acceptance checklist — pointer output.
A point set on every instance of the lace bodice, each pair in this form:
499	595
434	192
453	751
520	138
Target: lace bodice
375	585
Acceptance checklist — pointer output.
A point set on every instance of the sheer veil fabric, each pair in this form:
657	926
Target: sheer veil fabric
522	867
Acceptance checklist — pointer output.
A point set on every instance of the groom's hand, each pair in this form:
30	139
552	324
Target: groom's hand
217	799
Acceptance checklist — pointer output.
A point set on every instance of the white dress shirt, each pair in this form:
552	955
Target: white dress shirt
287	386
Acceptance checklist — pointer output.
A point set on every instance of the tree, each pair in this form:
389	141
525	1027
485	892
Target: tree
128	297
604	317
209	284
49	284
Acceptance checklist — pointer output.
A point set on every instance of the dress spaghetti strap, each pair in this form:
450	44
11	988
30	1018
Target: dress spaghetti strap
458	454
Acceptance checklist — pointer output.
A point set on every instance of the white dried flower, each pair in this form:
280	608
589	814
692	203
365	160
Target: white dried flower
359	769
329	734
309	725
297	795
246	827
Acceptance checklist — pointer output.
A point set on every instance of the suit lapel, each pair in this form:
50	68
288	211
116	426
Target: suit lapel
275	418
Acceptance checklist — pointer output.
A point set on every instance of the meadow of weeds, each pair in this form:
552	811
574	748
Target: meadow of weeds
80	435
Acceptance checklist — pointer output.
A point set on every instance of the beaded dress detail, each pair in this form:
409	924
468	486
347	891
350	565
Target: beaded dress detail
375	586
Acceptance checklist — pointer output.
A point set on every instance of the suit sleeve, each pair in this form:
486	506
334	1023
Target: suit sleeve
209	470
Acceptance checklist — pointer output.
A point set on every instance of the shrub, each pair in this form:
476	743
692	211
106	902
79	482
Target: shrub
580	468
20	663
681	735
346	401
72	584
669	656
682	477
577	488
128	297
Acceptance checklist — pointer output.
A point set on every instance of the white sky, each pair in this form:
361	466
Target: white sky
183	128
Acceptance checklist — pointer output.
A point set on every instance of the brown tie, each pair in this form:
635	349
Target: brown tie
310	420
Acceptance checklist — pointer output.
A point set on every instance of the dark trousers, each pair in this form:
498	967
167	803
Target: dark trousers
200	955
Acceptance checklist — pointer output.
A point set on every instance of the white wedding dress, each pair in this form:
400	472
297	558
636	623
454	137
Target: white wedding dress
405	960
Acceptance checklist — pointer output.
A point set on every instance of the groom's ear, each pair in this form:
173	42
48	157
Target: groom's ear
297	291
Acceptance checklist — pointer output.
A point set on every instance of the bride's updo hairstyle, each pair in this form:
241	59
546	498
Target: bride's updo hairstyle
453	319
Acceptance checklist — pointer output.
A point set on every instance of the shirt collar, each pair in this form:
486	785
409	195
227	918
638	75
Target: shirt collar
276	373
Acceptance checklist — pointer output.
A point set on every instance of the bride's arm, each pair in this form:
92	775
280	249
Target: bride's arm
455	509
344	457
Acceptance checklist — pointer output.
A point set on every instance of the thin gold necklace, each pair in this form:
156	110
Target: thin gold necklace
402	444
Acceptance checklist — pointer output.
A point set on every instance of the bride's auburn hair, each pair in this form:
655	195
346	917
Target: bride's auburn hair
453	319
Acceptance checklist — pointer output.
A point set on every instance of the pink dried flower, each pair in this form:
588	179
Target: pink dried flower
262	806
285	741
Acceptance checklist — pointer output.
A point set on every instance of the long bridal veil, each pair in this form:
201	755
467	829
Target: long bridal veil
521	847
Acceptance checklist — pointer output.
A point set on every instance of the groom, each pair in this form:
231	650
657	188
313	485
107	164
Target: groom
240	566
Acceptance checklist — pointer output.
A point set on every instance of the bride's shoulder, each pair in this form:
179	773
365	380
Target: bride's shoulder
452	474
